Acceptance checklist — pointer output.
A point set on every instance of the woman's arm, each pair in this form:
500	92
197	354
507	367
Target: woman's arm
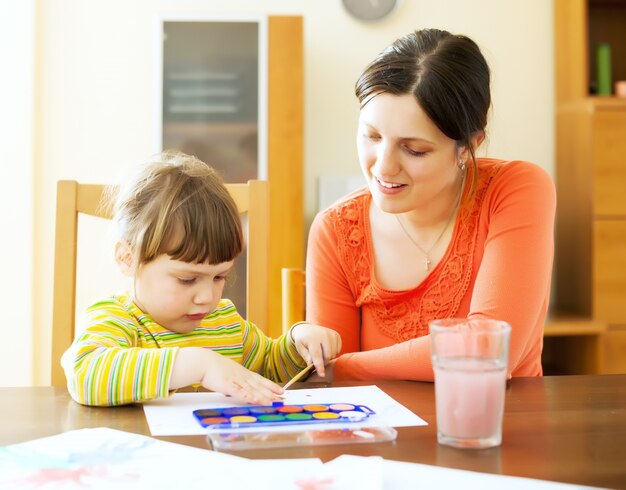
512	282
329	299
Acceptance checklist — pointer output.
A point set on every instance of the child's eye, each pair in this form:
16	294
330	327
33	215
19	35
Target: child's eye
186	281
219	278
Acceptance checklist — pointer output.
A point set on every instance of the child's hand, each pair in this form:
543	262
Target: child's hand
328	376
316	344
226	376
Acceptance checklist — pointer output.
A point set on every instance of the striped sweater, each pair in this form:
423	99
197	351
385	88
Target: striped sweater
121	355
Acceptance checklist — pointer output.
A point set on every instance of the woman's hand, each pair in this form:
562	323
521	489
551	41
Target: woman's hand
316	344
218	373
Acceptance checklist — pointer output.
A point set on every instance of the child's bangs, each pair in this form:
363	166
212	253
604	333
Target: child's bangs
203	233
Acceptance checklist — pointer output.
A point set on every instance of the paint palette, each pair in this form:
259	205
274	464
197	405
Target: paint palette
280	414
242	440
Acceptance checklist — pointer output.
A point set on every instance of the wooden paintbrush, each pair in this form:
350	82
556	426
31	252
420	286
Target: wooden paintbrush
298	376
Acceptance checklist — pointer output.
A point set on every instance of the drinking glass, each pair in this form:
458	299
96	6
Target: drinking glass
470	359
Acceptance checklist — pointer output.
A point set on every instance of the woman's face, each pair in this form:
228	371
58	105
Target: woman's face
407	161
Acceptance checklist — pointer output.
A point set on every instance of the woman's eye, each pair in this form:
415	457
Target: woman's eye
371	137
414	153
185	281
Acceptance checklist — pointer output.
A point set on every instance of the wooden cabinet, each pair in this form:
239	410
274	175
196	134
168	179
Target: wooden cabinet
579	26
590	269
232	94
590	255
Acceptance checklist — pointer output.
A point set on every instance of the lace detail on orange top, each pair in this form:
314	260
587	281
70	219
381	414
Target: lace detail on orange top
404	315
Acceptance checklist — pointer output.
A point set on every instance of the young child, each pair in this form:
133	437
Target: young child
179	233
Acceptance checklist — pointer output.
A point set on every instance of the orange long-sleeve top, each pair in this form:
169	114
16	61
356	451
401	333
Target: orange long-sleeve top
498	265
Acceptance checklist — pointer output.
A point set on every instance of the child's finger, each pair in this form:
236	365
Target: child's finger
271	386
237	392
264	390
338	344
304	353
253	395
257	398
316	352
329	348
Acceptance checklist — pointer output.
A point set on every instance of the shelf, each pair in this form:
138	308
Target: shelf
594	102
573	345
605	23
573	326
579	25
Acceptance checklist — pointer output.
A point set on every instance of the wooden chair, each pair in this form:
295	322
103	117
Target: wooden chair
74	198
293	302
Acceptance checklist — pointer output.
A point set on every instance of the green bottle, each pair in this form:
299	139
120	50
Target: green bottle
603	68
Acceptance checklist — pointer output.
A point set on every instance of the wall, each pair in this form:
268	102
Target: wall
17	41
94	95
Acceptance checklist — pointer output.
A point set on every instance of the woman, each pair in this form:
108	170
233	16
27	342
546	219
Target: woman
437	232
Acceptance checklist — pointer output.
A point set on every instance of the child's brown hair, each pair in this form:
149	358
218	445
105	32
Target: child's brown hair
178	205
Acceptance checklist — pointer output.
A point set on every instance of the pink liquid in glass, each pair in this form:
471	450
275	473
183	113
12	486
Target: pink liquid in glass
470	401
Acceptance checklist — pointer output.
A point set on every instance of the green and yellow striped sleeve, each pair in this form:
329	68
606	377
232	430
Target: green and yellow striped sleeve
106	365
275	359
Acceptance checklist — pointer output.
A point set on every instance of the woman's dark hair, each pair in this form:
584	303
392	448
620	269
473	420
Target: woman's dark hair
446	73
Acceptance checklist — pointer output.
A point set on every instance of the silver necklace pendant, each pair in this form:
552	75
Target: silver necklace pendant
427	263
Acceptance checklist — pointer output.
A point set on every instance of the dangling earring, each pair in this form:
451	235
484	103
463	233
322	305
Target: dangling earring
462	165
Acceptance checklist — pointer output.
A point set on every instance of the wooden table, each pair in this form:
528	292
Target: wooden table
562	428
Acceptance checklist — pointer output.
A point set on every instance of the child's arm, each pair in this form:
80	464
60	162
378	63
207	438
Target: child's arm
105	365
218	373
282	358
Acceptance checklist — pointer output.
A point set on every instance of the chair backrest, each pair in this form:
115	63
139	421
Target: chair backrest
293	301
73	199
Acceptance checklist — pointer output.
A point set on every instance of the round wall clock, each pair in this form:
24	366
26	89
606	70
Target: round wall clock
370	10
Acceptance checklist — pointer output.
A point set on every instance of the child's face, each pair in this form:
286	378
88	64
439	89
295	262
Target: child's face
178	295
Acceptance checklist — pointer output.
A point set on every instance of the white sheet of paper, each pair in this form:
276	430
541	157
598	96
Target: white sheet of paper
173	416
103	458
408	476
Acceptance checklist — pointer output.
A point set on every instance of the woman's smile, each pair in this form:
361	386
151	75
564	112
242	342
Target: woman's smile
389	188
